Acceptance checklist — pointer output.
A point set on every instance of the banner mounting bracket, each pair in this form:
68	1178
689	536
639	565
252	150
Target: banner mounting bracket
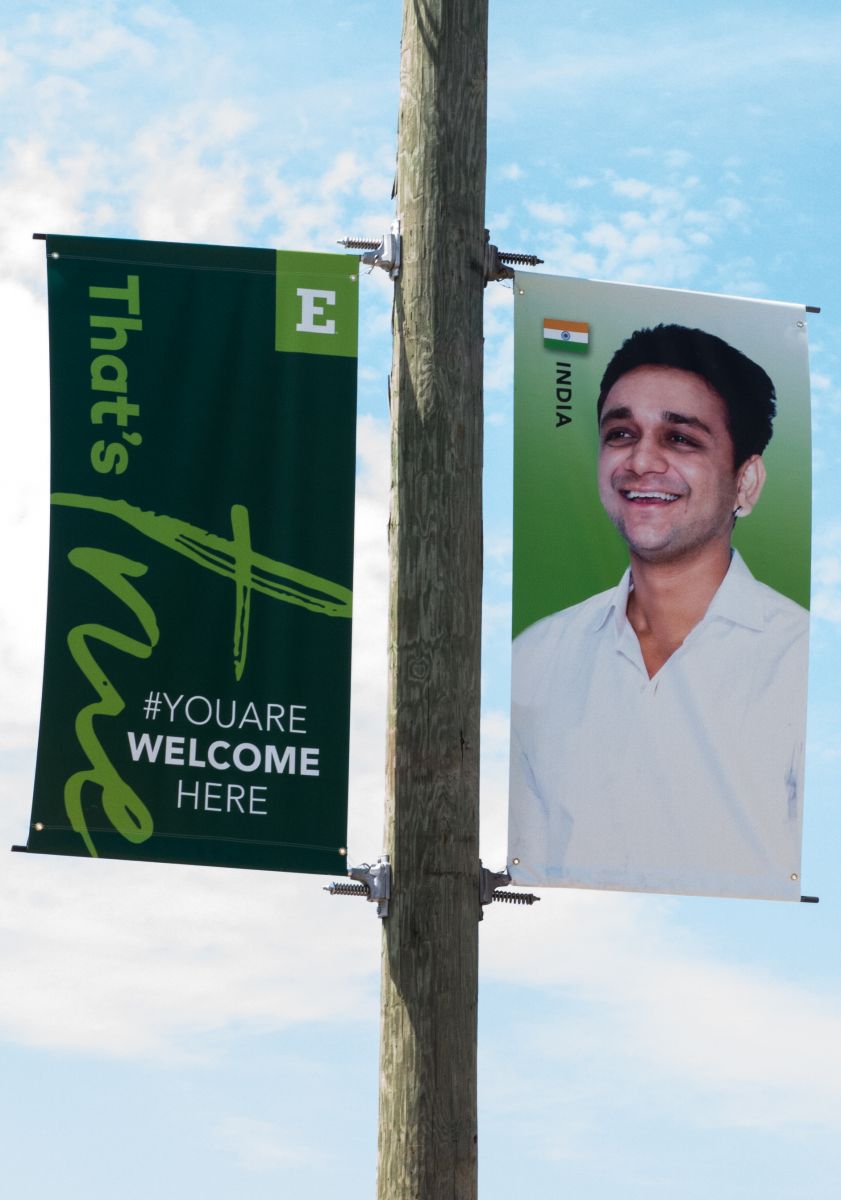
490	885
371	881
384	253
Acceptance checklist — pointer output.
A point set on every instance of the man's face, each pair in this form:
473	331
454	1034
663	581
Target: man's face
666	473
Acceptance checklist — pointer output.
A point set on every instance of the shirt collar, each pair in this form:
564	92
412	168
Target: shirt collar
615	604
736	600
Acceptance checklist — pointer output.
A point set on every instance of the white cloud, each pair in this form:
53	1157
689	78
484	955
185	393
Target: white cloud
260	1145
499	345
185	177
370	630
11	70
345	171
144	961
731	208
496	615
494	789
821	383
498	222
85	37
666	239
635	189
643	255
57	95
200	159
24	502
552	214
826	574
43	190
744	1048
685	61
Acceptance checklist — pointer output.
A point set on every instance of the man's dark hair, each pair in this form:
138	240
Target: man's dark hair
745	388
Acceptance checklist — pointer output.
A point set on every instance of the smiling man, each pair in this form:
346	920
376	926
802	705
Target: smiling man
657	728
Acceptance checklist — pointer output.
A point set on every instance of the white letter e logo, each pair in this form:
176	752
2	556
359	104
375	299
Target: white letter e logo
310	310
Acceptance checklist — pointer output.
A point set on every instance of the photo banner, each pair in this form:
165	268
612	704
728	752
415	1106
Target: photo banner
197	670
660	590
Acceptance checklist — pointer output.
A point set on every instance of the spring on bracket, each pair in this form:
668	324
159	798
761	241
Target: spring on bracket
522	260
514	897
347	889
352	243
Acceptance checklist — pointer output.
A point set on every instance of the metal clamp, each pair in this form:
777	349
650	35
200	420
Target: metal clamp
373	882
385	253
489	882
499	264
490	885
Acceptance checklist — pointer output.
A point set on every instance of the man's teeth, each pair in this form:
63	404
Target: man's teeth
651	495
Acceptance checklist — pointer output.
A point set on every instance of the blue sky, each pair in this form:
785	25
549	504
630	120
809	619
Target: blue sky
170	1029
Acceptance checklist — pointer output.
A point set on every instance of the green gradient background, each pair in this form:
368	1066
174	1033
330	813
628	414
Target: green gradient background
565	548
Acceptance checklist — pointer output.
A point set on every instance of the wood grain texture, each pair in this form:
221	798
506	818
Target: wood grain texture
427	1140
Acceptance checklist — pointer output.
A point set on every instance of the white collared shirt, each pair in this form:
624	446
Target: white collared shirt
690	781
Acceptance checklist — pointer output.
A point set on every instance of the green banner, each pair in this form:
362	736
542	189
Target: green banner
197	670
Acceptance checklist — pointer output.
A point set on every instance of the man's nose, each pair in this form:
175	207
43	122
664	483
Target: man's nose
647	455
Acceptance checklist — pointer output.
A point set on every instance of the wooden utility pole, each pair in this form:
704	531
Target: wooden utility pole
427	1134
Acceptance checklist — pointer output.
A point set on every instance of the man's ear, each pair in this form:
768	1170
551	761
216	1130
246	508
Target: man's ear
750	479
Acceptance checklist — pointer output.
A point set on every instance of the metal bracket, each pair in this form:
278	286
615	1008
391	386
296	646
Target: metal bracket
372	882
490	883
499	264
495	269
385	253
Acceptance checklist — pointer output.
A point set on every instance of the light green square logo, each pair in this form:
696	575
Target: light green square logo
317	303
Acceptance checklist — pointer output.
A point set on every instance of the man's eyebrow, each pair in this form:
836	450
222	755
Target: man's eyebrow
622	413
675	418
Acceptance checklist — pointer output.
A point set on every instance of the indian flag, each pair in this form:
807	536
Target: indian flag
566	335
